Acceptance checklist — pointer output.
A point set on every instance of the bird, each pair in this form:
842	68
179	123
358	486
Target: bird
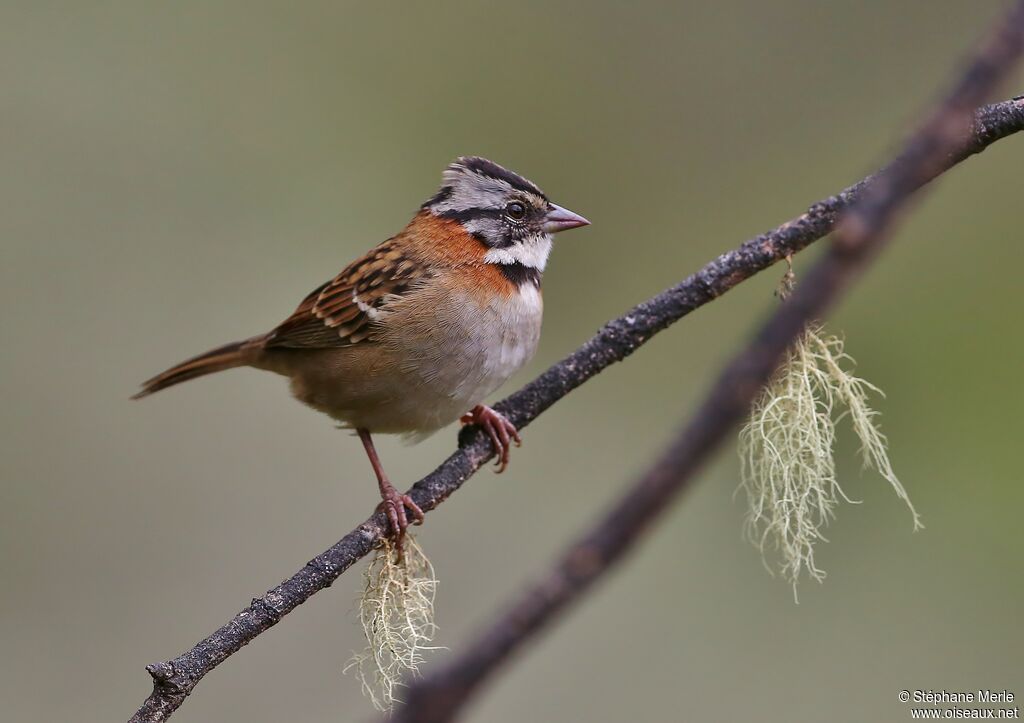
416	333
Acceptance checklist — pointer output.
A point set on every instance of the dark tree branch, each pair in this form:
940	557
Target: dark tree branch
173	680
863	229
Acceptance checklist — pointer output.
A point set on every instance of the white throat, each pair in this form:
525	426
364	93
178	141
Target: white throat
531	252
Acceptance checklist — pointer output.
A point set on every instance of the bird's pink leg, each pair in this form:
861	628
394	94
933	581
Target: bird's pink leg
393	502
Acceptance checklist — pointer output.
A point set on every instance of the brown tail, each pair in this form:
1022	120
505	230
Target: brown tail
229	356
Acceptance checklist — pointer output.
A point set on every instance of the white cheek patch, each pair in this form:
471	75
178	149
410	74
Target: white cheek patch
531	252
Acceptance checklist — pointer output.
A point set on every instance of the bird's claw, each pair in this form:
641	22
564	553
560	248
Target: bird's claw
395	506
501	431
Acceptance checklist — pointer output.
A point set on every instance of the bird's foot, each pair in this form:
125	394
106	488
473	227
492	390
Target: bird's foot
397	508
501	431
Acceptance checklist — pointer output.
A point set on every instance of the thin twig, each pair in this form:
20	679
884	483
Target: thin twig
173	680
863	229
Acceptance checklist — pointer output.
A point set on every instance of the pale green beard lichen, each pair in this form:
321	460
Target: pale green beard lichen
786	451
397	615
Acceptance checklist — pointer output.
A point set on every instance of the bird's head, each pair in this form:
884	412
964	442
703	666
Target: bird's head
500	209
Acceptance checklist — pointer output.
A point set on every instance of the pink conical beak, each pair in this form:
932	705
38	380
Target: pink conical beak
562	219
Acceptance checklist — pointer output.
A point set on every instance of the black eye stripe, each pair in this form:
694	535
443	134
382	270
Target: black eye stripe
471	214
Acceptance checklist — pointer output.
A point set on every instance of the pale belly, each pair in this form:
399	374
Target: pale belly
428	372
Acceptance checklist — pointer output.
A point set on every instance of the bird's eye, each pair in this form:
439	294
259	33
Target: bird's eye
516	210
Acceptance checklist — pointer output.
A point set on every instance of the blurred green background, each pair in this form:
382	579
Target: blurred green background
178	175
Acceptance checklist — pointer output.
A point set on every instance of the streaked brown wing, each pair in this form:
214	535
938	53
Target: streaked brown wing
342	311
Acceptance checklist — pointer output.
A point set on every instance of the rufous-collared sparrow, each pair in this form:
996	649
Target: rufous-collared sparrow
424	326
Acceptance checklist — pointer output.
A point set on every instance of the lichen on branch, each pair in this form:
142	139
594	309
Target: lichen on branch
787	463
396	612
